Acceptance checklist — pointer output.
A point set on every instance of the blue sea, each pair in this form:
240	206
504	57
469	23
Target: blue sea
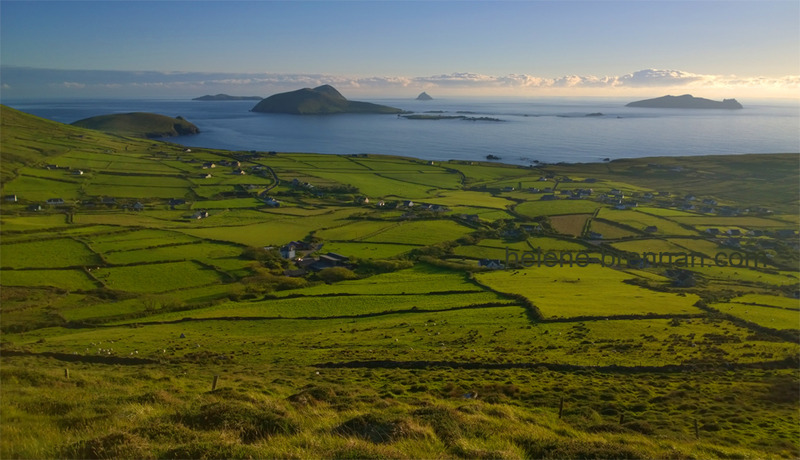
532	130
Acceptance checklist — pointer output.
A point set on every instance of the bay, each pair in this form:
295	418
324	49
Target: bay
542	130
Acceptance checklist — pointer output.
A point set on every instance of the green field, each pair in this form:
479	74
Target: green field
611	231
771	300
335	306
40	189
62	279
157	277
421	279
641	218
116	323
201	251
28	223
775	318
475	199
365	250
563	292
54	253
420	232
649	245
570	224
357	230
556	207
137	239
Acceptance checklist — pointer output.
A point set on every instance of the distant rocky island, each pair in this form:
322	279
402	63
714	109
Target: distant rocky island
687	101
139	124
321	100
423	96
428	116
226	97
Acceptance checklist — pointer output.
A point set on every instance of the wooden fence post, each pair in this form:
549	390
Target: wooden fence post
696	430
561	407
66	373
214	384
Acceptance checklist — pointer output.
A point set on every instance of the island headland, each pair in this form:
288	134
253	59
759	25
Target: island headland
686	101
139	124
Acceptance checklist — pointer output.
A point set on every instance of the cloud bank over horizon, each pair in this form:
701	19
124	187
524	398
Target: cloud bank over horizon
26	82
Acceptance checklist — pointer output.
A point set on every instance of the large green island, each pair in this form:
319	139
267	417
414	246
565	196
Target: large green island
321	100
165	303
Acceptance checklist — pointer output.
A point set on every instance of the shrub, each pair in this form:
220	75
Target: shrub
314	394
379	430
446	422
334	274
252	422
375	266
210	450
573	448
113	445
270	258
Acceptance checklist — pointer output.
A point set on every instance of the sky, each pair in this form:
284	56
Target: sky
187	48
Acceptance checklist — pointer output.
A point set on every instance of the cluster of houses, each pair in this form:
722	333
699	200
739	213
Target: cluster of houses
296	183
271	202
549	193
212	165
491	264
784	233
618	200
766	239
435	208
74	172
236	165
300	252
106	201
687	203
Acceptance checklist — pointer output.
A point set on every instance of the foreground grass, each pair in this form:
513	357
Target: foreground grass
113	411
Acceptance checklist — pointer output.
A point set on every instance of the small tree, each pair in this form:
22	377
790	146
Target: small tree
269	258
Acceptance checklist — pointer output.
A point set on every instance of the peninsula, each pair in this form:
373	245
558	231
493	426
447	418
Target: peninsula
687	101
139	124
321	100
226	97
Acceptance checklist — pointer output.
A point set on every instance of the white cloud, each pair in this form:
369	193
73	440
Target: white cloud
181	84
70	84
660	78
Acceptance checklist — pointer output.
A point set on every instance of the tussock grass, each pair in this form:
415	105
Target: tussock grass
111	412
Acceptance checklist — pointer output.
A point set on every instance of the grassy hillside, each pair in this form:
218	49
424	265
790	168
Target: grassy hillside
752	180
144	315
139	124
320	100
30	140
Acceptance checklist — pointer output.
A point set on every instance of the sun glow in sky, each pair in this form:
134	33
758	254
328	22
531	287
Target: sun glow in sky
387	49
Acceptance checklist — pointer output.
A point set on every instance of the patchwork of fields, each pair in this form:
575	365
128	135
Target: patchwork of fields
367	306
